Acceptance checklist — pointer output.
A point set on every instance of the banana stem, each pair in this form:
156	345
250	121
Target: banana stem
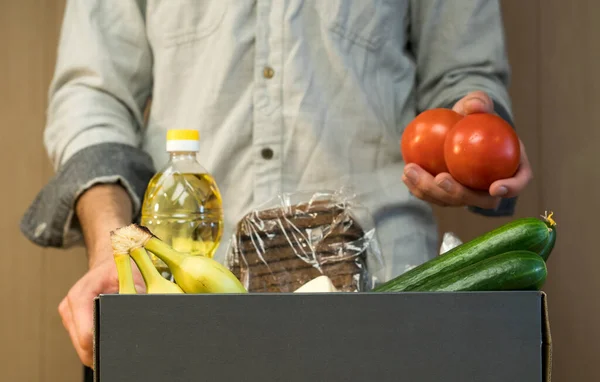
164	251
147	269
549	219
126	285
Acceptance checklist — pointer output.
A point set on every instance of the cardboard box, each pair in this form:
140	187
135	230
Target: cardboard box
482	336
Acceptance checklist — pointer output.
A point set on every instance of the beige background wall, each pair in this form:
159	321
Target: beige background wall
556	84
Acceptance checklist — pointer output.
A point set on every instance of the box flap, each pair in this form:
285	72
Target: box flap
547	340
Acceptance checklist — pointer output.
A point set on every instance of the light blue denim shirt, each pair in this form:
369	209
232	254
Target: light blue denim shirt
287	95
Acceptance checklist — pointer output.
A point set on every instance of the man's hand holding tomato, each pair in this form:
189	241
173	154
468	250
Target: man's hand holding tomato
442	189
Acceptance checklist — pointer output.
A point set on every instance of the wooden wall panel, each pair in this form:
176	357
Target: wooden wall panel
22	92
33	344
569	138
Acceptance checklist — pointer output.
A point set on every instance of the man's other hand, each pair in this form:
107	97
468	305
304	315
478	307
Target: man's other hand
444	190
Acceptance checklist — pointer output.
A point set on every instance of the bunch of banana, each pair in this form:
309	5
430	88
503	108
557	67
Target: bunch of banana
193	274
124	250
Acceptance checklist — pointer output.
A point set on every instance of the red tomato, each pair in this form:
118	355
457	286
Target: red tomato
423	139
480	149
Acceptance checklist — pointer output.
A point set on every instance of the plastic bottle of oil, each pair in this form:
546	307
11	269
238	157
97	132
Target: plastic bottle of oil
182	205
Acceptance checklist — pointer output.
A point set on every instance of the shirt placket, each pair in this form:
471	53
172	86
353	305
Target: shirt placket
267	137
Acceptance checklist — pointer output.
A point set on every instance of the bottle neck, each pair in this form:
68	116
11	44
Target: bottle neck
177	156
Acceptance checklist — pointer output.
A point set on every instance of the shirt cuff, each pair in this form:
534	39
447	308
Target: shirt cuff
507	206
50	221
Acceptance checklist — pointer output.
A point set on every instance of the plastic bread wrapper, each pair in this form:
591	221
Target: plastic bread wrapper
296	237
449	241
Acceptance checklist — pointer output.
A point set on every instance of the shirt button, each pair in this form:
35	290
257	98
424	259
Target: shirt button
267	153
268	72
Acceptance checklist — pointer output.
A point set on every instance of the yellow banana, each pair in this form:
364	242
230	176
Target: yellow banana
155	283
194	274
126	285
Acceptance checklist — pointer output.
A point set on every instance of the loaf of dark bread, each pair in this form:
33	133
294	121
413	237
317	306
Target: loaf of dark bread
280	249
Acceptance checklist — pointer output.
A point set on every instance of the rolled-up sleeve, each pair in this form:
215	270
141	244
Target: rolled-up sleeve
459	47
102	81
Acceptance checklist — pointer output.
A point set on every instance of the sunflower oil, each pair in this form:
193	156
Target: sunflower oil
182	204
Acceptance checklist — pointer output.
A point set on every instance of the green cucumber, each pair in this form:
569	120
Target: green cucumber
529	234
515	270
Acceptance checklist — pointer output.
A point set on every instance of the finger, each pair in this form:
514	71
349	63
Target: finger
81	303
65	314
419	194
474	102
461	195
81	339
513	186
67	319
83	320
422	184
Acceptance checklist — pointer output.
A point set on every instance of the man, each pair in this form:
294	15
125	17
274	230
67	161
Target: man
286	94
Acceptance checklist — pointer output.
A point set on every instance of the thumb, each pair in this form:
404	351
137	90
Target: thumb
474	102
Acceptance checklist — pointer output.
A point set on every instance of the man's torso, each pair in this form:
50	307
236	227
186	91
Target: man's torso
293	95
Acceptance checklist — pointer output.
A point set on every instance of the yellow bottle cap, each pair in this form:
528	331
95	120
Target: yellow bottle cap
183	135
183	140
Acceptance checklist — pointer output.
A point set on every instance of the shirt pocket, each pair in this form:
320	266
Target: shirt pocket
364	22
180	22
